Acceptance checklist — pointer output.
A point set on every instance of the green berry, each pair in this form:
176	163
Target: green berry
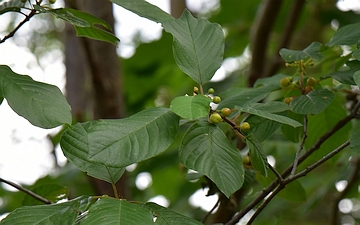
211	91
226	112
245	127
216	99
311	81
52	1
288	100
215	118
286	81
196	90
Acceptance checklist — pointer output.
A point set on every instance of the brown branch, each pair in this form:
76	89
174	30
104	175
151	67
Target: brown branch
296	161
32	194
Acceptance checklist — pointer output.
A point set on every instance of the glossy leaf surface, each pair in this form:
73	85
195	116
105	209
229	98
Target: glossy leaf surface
191	107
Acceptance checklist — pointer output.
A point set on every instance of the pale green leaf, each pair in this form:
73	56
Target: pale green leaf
198	46
346	35
257	156
11	6
42	104
62	213
357	78
68	16
268	115
165	216
206	149
312	103
103	148
144	9
191	107
355	141
106	211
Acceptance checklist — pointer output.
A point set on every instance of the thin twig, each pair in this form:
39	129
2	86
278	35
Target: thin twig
32	194
301	147
211	210
278	175
116	194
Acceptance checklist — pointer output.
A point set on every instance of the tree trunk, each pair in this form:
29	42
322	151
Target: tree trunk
94	83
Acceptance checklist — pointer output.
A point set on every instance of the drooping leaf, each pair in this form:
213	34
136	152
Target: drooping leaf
62	213
268	115
117	211
293	133
68	16
258	157
198	46
165	216
345	75
52	192
346	35
355	141
11	6
312	103
261	127
144	9
294	192
191	107
42	104
103	148
312	51
206	149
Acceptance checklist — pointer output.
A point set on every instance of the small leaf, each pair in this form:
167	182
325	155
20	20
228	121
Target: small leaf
257	156
206	149
345	75
270	116
52	192
198	46
144	9
103	148
42	104
357	78
355	142
165	216
68	16
346	35
191	107
11	6
117	211
312	51
312	103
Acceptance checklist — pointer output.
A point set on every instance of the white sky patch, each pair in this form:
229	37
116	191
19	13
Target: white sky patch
199	199
160	200
143	180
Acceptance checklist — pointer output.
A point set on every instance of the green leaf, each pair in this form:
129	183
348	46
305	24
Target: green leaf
61	213
357	78
191	107
117	211
355	142
312	51
43	105
257	156
262	128
345	75
346	35
356	54
52	192
293	134
312	103
144	9
11	6
85	24
206	149
103	148
268	115
293	192
198	46
164	216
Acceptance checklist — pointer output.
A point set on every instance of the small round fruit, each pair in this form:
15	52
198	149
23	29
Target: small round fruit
196	89
246	160
245	126
226	112
286	81
211	91
52	1
308	89
215	118
287	100
216	99
311	81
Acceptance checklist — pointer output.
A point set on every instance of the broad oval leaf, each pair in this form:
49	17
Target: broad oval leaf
312	51
293	134
355	142
42	104
258	157
198	46
206	149
312	103
346	35
261	127
191	107
165	216
117	211
114	144
61	213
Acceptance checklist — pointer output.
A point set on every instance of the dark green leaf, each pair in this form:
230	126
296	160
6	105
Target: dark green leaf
258	157
312	51
68	16
43	105
191	107
345	74
294	192
355	141
356	54
144	9
357	78
103	148
312	103
206	149
52	192
293	134
198	46
262	128
165	216
346	35
117	211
